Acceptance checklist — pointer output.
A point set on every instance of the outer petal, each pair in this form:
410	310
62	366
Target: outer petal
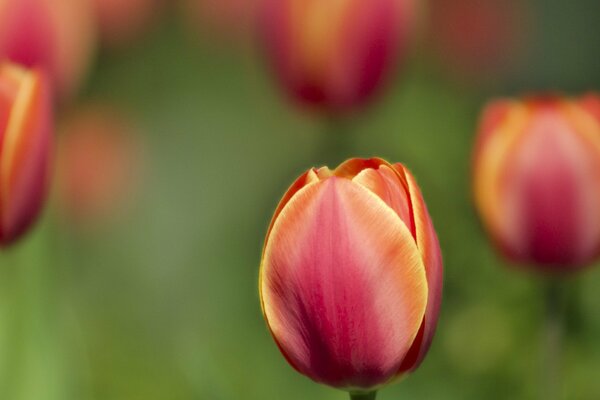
25	157
431	254
343	285
311	176
551	187
590	103
494	116
385	183
489	162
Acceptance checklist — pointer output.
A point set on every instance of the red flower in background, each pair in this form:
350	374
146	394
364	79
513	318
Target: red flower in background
99	164
120	22
56	36
537	180
335	55
229	20
479	38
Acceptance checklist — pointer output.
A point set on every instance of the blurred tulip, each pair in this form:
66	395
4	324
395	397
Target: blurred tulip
351	275
26	130
57	36
99	165
120	22
231	20
537	179
478	38
335	54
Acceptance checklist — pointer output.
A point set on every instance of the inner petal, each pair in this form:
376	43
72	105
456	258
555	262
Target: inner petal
385	183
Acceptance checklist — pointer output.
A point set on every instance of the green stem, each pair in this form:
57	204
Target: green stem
553	332
336	144
363	396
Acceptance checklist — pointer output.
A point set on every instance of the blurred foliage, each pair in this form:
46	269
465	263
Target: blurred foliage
164	304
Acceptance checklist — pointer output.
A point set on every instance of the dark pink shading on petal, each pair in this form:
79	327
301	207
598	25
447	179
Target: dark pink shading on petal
553	178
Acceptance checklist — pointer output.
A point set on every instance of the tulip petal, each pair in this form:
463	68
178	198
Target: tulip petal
488	167
25	156
384	183
591	104
494	115
305	179
429	247
554	188
343	285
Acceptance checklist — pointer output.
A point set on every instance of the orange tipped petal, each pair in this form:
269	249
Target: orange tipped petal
591	104
25	151
429	247
343	285
488	166
384	183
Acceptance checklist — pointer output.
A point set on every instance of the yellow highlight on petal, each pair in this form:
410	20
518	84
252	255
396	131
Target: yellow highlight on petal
317	27
26	85
491	162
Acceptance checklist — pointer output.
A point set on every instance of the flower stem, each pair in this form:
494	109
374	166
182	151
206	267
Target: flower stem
553	335
363	396
336	144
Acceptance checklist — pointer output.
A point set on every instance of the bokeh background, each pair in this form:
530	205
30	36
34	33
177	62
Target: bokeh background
158	300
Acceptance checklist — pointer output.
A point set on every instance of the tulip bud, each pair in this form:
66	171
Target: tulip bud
231	21
351	275
479	39
537	180
121	21
99	165
26	128
335	54
56	36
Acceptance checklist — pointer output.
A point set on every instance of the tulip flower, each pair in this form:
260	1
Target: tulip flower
26	129
230	20
57	36
537	180
479	38
335	54
99	165
351	275
121	22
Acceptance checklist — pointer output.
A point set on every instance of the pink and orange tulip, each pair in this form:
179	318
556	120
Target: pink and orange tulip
231	21
26	130
56	36
99	165
335	54
120	22
537	180
351	275
480	39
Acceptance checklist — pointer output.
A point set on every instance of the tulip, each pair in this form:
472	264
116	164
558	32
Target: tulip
26	129
537	180
229	20
99	165
479	38
56	36
351	275
120	22
333	55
